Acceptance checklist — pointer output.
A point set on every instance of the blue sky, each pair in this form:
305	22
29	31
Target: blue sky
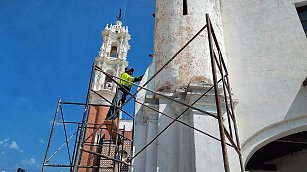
46	51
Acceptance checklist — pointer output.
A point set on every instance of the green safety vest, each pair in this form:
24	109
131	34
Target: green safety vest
124	78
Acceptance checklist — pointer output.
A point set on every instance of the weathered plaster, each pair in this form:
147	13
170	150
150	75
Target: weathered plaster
172	31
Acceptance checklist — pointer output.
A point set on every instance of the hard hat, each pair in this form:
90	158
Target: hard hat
129	69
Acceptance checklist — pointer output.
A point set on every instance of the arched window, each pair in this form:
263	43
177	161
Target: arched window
113	51
108	81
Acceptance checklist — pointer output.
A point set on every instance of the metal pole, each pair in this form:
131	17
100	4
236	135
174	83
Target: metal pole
65	133
225	93
82	104
75	144
218	103
61	148
51	133
231	103
111	135
123	144
81	135
116	146
132	141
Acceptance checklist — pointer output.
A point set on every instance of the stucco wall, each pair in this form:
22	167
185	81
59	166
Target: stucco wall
140	126
267	60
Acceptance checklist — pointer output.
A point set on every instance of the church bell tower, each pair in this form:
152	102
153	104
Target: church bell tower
112	59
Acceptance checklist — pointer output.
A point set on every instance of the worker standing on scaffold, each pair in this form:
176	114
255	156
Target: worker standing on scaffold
122	91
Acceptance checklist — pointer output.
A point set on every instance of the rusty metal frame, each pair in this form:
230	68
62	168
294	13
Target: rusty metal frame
79	136
75	135
220	63
216	62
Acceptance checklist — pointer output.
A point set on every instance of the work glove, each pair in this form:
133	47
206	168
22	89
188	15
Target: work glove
136	79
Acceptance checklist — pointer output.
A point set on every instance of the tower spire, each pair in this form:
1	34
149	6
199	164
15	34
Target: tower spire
119	17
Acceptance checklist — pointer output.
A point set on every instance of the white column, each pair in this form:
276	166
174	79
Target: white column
208	151
185	146
102	78
95	86
117	73
205	146
152	131
185	138
167	148
119	55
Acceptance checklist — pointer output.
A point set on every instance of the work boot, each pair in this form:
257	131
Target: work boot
107	122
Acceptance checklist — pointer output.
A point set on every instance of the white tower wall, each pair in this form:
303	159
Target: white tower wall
266	51
173	30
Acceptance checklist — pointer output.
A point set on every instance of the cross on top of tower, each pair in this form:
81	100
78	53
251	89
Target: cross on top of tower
119	17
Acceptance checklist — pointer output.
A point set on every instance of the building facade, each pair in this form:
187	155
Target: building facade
264	43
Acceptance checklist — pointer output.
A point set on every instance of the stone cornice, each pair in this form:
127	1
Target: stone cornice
192	93
111	61
95	99
149	114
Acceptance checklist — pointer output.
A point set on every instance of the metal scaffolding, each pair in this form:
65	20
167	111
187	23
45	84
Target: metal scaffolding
117	160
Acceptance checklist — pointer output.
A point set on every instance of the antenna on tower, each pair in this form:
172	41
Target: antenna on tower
119	18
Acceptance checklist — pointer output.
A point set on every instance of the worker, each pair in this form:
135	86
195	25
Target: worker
21	170
123	90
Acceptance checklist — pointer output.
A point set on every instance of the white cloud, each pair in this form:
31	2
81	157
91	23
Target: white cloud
30	161
42	141
9	145
14	145
4	142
